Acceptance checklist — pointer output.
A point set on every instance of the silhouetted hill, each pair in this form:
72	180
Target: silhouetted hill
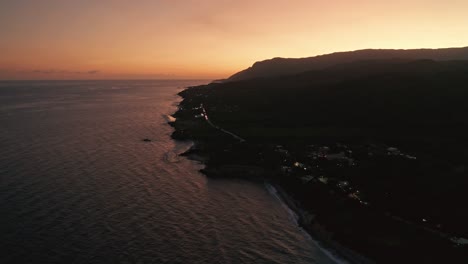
412	102
366	110
288	66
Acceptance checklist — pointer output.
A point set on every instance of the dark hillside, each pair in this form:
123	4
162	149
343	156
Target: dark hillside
288	66
375	150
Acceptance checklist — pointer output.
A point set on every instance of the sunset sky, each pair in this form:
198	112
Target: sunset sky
123	39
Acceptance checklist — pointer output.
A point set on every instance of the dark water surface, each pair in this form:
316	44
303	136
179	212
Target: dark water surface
78	185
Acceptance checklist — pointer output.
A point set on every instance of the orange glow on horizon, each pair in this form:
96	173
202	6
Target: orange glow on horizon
211	39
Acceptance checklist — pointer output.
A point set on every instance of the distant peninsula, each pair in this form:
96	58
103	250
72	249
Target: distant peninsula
369	147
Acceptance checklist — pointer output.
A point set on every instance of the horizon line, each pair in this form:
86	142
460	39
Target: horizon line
53	80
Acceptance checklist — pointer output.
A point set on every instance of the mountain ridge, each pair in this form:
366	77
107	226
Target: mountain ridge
288	66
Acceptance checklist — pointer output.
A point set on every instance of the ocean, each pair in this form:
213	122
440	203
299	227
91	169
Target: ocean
78	184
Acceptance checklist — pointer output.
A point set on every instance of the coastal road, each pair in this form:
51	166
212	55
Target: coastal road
217	127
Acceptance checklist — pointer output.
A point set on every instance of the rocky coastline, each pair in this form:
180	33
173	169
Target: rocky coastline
200	153
336	213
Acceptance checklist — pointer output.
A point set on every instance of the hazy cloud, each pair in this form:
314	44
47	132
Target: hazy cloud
52	71
45	71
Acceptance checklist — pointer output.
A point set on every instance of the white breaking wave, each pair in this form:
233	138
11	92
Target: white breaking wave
295	218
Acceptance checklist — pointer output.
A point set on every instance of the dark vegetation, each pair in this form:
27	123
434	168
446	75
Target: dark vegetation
374	151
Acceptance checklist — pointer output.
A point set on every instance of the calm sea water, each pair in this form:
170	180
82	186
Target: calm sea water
78	185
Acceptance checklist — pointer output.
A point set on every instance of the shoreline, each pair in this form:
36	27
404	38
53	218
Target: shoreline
313	176
295	213
335	251
338	253
305	221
